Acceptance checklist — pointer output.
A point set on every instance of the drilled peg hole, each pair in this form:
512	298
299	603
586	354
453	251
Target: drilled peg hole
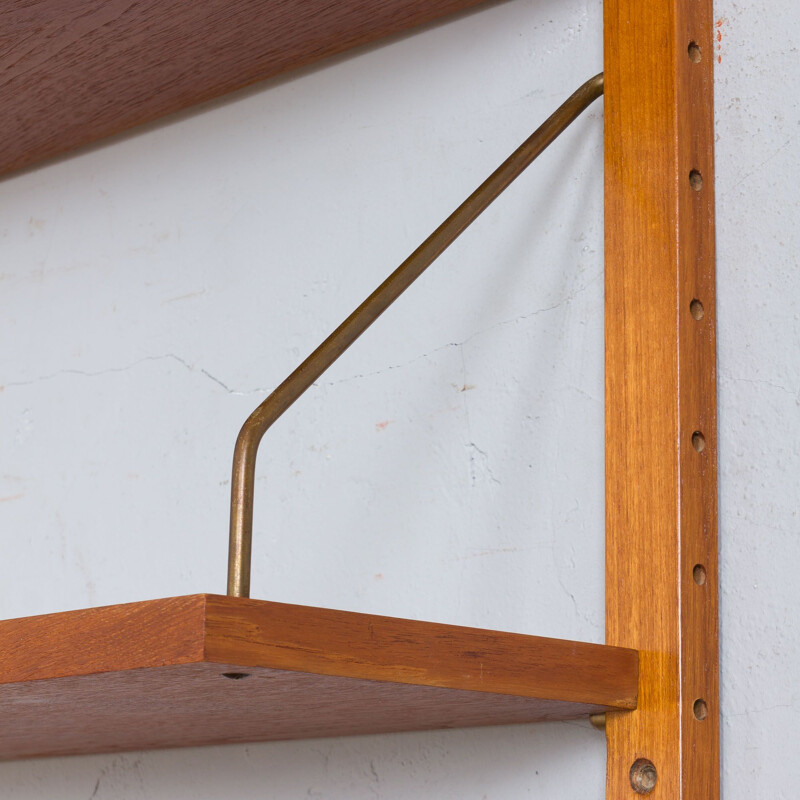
698	441
695	54
700	709
236	676
699	574
643	776
695	180
696	309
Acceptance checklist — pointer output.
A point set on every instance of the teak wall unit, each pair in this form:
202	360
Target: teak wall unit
206	668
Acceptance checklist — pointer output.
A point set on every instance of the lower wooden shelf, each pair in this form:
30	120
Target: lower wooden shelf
207	669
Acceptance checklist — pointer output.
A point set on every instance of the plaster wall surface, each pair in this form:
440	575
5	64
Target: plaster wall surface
450	466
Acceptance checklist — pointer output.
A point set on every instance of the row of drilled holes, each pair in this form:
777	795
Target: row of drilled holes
699	707
643	774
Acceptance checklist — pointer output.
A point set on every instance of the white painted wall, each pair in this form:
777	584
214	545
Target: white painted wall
449	467
758	294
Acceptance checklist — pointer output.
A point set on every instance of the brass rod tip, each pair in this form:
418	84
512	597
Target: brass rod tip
598	721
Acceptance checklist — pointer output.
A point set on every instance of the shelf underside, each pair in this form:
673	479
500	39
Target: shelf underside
157	674
75	72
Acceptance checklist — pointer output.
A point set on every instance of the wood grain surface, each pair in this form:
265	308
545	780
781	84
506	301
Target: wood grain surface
75	72
153	674
661	513
423	653
194	704
108	639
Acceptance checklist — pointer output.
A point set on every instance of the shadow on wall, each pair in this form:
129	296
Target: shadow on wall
552	760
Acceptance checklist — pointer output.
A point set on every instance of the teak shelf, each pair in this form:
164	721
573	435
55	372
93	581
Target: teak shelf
208	669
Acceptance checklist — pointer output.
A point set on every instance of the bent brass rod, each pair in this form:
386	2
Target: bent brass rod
257	424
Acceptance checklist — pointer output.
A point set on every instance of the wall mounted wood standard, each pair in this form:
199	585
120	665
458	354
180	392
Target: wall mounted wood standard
205	669
661	487
74	72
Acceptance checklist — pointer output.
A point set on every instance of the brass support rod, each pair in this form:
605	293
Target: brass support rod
257	424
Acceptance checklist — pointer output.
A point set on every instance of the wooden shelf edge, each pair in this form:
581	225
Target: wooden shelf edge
355	645
166	673
230	630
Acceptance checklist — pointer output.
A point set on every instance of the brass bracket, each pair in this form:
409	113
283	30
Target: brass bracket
257	424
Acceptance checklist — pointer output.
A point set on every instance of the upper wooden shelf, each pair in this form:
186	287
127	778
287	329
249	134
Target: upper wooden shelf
75	72
205	669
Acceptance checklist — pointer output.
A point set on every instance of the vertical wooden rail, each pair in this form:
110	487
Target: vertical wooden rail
661	512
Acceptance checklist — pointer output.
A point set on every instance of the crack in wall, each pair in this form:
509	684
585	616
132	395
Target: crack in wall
761	382
111	370
266	390
483	331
